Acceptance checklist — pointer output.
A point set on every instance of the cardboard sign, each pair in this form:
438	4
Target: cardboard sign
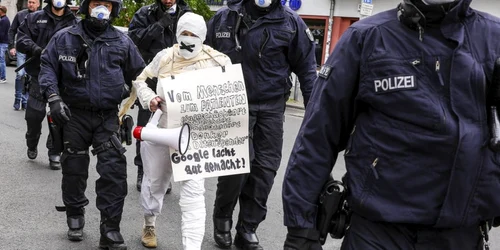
214	103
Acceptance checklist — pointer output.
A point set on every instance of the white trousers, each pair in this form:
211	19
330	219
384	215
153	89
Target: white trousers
157	174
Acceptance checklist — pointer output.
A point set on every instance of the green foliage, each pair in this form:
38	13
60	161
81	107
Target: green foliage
128	10
199	7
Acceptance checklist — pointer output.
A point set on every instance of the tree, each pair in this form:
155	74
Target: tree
199	7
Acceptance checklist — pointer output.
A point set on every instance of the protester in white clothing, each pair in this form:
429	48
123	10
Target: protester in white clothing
188	54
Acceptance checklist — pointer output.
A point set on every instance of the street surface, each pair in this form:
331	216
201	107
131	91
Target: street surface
29	190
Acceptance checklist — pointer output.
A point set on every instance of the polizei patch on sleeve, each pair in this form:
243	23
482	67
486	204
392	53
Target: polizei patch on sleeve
325	71
310	35
396	83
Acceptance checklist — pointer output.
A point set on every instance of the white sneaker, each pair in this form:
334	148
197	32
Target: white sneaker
3	80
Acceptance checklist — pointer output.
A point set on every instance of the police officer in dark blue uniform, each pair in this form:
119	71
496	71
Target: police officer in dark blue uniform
32	36
86	71
404	95
270	41
152	29
20	97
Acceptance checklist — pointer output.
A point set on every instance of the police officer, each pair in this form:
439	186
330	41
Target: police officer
153	29
21	99
270	41
86	71
404	94
33	35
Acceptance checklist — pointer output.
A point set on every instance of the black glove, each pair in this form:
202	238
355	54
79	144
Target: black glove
302	239
37	51
165	20
58	110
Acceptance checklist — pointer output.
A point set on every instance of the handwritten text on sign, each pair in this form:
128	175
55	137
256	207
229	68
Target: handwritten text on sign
214	104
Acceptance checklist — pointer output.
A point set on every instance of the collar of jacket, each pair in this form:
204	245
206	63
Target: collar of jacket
110	34
459	12
277	13
67	11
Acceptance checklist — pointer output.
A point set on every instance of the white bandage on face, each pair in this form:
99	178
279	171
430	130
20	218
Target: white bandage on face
190	46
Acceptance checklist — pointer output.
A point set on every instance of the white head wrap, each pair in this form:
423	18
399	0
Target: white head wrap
193	23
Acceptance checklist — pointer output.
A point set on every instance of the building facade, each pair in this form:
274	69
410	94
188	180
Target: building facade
328	19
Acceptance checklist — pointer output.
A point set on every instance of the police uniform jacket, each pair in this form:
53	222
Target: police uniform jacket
411	115
149	36
18	19
36	31
275	45
112	62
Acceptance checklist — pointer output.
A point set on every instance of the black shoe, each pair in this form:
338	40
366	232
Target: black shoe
222	232
55	162
112	240
247	241
32	153
139	181
75	225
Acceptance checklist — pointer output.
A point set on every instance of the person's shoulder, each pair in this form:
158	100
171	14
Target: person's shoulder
222	11
145	8
213	52
486	17
381	19
66	31
22	12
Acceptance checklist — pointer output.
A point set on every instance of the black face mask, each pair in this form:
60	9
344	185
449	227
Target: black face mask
95	27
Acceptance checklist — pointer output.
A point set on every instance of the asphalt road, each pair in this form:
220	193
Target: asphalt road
29	190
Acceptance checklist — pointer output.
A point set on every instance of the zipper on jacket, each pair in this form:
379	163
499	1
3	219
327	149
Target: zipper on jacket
266	39
374	164
438	71
441	81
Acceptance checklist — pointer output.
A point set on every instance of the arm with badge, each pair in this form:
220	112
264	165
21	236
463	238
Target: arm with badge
302	58
308	204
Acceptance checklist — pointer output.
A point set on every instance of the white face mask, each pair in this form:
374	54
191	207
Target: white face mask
100	12
263	3
58	3
436	2
189	46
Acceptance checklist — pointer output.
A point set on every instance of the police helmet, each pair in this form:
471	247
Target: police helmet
117	6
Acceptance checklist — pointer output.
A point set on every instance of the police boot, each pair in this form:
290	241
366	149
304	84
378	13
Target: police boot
111	237
222	232
55	162
75	225
247	241
32	153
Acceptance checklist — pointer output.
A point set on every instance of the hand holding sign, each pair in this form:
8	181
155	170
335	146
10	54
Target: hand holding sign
214	103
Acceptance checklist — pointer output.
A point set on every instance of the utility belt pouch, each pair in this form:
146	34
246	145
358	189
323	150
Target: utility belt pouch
117	144
56	134
332	211
26	83
126	129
